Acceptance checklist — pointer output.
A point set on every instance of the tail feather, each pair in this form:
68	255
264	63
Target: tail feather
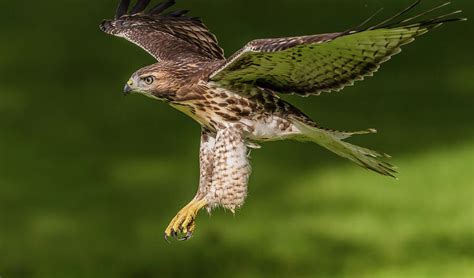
332	140
346	134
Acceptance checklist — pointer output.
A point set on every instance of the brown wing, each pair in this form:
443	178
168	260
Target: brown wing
310	65
165	36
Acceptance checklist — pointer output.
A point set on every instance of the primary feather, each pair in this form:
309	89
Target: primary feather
310	65
165	36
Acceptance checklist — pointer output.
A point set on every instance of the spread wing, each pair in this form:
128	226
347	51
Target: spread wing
166	36
310	65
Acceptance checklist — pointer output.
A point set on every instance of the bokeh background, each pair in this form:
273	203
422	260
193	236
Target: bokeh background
89	179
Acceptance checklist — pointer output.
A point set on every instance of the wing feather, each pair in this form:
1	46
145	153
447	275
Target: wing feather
140	6
165	36
310	65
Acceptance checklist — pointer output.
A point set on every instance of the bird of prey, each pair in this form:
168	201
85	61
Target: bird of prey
235	99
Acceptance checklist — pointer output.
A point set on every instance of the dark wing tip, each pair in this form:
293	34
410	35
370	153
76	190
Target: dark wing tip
177	13
161	7
140	6
397	21
398	15
122	8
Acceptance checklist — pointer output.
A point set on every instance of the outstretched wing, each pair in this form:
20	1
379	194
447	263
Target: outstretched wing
165	36
310	65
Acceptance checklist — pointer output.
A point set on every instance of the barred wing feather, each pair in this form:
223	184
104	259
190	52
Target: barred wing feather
310	65
165	36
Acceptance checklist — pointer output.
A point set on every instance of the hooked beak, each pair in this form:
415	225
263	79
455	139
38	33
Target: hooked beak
128	88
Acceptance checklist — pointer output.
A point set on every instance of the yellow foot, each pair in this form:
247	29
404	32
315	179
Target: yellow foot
183	224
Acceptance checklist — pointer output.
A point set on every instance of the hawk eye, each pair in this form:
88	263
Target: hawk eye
149	80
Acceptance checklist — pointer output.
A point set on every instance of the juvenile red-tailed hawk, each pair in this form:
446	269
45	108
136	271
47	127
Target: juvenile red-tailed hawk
235	100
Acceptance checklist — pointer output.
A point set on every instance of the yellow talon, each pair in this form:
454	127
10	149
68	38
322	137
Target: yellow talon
183	224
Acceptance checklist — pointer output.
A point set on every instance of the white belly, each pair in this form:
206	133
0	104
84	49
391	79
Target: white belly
272	128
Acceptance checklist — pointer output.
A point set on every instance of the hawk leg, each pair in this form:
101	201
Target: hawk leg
231	170
225	170
183	224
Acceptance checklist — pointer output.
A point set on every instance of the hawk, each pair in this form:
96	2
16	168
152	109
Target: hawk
235	99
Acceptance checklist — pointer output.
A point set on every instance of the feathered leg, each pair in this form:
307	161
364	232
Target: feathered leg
225	171
183	224
231	170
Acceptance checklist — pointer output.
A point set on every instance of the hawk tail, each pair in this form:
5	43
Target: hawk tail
333	141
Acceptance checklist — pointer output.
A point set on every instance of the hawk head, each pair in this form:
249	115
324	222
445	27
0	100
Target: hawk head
152	81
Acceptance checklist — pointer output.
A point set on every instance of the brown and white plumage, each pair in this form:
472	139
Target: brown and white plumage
166	36
224	167
235	100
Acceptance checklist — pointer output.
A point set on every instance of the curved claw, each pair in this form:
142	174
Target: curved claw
186	237
167	238
183	224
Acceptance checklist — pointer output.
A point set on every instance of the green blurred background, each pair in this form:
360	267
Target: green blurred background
89	179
